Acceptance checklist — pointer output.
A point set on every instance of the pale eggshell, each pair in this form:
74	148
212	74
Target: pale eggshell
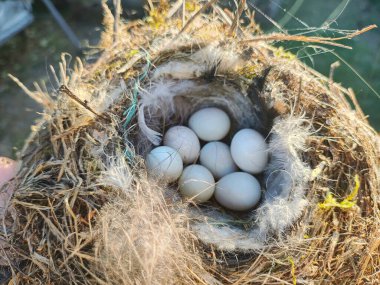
197	183
238	191
184	141
8	169
164	162
216	157
249	151
210	124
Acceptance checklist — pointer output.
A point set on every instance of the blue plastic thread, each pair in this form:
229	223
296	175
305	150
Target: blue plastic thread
131	110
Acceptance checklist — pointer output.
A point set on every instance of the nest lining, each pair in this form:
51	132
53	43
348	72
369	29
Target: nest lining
177	91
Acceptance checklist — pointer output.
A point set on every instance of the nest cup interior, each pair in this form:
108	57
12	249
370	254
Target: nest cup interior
169	102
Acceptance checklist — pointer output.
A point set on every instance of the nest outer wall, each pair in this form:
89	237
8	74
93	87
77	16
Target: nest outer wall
83	187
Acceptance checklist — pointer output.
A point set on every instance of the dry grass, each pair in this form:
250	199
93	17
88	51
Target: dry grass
72	222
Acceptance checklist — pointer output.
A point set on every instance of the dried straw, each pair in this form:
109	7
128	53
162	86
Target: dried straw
85	212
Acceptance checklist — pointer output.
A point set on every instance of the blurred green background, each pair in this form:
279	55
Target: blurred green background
363	60
29	54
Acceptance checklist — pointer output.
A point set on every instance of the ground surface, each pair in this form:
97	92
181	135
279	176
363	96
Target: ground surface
29	54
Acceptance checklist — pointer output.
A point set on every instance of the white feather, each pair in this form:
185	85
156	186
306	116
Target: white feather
288	177
157	103
201	62
117	174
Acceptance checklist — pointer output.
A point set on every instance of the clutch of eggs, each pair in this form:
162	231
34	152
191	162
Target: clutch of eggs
223	171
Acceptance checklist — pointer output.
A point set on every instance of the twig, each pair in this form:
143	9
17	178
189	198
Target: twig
174	9
117	5
183	13
199	12
239	11
63	89
224	17
39	97
300	38
151	6
356	104
333	66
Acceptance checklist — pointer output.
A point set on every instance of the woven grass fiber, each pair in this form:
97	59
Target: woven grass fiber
85	211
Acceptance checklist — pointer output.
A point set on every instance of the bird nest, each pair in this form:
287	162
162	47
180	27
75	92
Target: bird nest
85	211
